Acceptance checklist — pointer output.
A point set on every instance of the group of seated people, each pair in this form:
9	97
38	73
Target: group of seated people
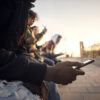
28	42
20	64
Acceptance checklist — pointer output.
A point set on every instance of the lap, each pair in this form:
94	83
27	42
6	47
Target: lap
15	91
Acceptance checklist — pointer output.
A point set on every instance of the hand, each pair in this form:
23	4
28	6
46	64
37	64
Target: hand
45	30
63	73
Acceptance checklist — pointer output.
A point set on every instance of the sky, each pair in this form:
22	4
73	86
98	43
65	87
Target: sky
75	20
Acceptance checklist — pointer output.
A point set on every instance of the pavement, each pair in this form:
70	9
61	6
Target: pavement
86	87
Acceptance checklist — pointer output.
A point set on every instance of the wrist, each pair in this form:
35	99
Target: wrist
49	76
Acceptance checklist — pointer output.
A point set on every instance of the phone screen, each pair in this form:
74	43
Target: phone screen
89	61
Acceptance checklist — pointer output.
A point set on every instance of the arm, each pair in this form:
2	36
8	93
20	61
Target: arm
40	35
52	48
59	54
19	67
44	46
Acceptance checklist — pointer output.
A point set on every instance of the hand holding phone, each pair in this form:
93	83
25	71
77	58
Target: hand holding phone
87	62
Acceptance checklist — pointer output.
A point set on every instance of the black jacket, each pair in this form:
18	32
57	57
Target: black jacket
20	67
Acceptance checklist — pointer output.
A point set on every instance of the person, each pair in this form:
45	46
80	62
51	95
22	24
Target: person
37	37
28	38
47	49
16	65
50	45
36	48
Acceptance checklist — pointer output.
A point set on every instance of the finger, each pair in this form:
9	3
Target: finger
76	64
69	81
79	72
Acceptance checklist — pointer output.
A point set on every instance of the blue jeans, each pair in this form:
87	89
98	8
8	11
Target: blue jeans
49	61
53	93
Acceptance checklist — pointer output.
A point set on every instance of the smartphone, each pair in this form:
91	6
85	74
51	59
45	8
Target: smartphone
87	62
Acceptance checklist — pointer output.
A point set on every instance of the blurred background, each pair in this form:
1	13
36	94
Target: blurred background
78	21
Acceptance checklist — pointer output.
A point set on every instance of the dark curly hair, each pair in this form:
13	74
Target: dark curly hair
32	14
13	21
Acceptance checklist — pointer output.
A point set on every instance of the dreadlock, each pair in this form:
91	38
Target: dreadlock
12	21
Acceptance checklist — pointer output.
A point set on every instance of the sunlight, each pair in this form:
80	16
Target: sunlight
75	21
